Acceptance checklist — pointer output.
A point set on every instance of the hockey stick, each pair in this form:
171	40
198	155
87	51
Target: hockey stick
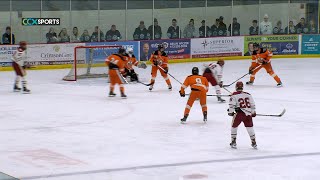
226	90
144	83
169	74
241	77
213	95
271	115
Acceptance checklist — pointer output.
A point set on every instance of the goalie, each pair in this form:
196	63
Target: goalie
132	61
19	65
213	73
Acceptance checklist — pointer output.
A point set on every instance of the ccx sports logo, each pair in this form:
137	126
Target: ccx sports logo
40	21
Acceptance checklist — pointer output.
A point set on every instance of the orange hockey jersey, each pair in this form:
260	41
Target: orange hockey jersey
261	56
161	57
196	82
116	62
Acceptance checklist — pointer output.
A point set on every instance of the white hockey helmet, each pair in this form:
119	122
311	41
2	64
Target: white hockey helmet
130	50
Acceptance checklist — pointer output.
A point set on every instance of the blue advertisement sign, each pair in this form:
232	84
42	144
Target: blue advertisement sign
310	44
176	49
100	54
281	48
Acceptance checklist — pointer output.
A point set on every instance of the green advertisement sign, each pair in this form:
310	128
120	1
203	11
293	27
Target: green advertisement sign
283	44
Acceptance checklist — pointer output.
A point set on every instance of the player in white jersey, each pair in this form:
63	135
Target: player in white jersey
19	65
242	108
213	72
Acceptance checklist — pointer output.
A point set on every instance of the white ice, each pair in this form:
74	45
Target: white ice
72	130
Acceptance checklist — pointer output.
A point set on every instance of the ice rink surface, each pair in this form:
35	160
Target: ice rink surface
72	130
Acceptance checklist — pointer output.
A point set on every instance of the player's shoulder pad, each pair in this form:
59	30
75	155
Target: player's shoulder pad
164	54
236	93
121	57
155	52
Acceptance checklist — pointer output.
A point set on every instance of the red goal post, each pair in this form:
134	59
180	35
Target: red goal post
89	62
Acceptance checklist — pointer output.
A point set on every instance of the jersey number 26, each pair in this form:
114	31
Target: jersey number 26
244	103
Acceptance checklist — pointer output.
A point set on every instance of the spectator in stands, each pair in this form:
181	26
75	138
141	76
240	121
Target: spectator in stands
312	27
75	37
250	49
292	29
222	28
95	35
6	37
174	30
204	31
141	33
266	25
63	36
113	34
302	27
189	30
157	30
85	37
145	52
51	36
235	28
254	29
214	28
278	29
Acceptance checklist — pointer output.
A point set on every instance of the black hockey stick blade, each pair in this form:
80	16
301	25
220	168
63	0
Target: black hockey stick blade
144	83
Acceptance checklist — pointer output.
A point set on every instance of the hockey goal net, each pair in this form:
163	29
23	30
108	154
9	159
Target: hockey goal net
89	62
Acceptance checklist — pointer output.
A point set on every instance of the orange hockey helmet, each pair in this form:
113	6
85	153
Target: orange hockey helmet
239	86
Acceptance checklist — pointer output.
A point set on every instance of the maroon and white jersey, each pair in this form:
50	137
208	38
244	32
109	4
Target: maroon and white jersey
19	57
242	100
217	71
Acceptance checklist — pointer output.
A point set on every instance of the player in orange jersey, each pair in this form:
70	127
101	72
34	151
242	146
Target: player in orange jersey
116	64
199	88
159	61
132	61
261	58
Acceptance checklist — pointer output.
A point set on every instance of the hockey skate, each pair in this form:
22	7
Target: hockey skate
170	87
26	90
112	94
254	143
221	100
233	143
151	87
184	119
249	83
205	116
279	84
16	88
123	96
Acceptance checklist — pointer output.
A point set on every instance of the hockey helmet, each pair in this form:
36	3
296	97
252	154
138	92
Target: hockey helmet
220	61
256	45
195	71
160	46
121	51
130	50
239	86
23	44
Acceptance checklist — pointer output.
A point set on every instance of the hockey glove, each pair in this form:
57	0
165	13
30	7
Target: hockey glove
231	114
182	94
166	70
155	62
221	84
253	114
250	71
